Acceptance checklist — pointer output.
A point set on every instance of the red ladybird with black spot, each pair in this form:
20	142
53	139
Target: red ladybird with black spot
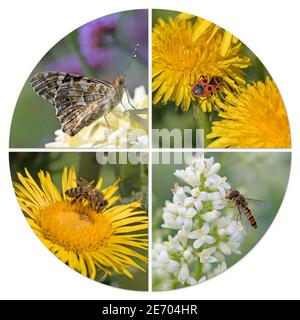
206	86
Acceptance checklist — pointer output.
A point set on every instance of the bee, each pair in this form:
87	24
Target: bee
242	204
206	86
86	191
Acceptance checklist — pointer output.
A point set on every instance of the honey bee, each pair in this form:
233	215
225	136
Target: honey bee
242	205
86	190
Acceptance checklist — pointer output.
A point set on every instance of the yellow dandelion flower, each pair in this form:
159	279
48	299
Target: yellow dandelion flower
179	58
79	236
254	117
202	26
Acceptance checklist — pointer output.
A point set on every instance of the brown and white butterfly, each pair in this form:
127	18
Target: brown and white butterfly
78	100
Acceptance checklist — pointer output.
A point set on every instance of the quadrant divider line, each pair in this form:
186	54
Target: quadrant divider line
210	150
146	150
150	149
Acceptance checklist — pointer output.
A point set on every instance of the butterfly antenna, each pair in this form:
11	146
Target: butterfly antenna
130	60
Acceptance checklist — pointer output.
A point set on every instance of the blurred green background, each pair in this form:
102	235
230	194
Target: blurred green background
257	175
34	121
169	117
133	186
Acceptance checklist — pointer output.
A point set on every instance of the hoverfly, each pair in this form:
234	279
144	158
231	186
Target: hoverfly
86	191
242	205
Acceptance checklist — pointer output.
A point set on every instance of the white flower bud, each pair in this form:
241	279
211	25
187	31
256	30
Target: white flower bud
183	274
189	202
173	266
225	248
210	216
214	169
187	255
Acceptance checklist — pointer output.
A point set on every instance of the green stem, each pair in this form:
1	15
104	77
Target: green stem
143	175
204	123
175	284
198	270
72	41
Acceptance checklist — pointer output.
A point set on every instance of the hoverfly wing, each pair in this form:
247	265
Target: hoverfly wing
259	203
243	219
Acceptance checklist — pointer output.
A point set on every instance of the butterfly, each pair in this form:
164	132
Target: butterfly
78	100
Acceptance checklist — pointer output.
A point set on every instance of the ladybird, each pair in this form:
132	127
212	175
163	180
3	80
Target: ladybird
206	86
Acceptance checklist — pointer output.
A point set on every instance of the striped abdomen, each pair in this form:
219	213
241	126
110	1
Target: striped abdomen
73	192
249	216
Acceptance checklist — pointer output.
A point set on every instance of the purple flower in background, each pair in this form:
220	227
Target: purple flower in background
137	30
69	63
90	40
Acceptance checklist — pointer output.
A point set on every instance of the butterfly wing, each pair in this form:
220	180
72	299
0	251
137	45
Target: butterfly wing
78	100
79	104
45	84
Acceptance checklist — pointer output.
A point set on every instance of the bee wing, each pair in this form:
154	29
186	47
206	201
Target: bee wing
83	182
259	203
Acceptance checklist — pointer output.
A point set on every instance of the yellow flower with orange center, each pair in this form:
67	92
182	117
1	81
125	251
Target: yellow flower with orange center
82	238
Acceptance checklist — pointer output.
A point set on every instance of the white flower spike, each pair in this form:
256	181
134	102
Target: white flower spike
206	234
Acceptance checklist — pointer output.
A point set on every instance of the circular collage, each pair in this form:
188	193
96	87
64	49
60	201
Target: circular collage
150	150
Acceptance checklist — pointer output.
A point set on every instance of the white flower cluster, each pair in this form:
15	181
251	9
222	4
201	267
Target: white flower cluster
127	129
205	234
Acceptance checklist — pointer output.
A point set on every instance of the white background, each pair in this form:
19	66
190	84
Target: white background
29	29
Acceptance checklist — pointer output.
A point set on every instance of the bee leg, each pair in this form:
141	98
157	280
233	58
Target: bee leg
91	205
98	207
95	207
75	199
